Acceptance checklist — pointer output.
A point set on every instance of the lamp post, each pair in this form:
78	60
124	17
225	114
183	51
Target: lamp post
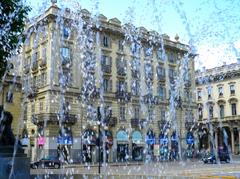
99	140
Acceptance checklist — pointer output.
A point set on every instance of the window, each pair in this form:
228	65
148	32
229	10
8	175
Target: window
150	114
41	105
106	41
200	112
66	78
234	109
33	107
34	57
121	66
160	72
107	85
120	45
122	113
135	87
171	74
136	112
9	97
220	91
107	112
221	111
121	86
135	48
43	79
148	71
160	54
162	92
44	54
66	32
232	89
135	67
162	113
148	51
65	52
211	111
172	57
199	94
209	91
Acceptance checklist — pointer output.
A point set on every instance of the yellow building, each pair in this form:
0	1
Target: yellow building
10	100
218	106
72	66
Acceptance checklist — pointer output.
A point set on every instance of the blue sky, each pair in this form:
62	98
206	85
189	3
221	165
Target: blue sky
212	25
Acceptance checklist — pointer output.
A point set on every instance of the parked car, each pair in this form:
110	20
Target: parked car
48	162
210	158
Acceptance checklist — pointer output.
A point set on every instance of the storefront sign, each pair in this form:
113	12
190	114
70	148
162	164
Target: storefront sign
24	141
41	140
65	140
122	136
137	137
156	151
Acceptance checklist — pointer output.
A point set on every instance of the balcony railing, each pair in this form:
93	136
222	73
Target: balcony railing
122	95
121	71
54	118
111	121
135	123
32	92
107	68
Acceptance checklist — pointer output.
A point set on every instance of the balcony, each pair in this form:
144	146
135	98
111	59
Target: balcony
121	71
135	123
149	99
54	118
66	62
111	121
32	92
161	78
122	95
163	124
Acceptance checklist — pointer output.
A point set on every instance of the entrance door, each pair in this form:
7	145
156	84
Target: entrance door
122	152
87	153
137	152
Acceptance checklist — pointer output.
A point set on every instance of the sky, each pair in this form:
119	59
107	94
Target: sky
210	26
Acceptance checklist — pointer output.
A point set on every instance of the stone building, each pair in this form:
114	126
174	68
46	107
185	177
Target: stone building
74	64
218	108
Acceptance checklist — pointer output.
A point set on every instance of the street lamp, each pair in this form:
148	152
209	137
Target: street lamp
99	140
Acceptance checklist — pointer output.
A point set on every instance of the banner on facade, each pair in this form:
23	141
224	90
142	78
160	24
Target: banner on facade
65	140
156	151
41	140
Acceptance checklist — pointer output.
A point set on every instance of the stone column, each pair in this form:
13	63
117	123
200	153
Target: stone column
232	141
239	141
216	140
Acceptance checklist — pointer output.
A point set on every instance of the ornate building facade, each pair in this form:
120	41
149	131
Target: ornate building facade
79	70
218	107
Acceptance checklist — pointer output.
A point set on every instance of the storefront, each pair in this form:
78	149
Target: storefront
150	141
122	146
163	141
174	146
64	142
108	144
190	145
89	145
137	146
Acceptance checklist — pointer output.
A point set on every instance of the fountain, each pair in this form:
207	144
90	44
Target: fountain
109	101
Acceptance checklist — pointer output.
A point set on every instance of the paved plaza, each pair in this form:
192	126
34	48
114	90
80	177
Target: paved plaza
184	169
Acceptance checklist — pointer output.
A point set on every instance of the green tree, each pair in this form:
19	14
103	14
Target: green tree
12	20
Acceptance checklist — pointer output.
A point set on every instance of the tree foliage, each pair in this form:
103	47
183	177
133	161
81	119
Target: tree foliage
12	21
